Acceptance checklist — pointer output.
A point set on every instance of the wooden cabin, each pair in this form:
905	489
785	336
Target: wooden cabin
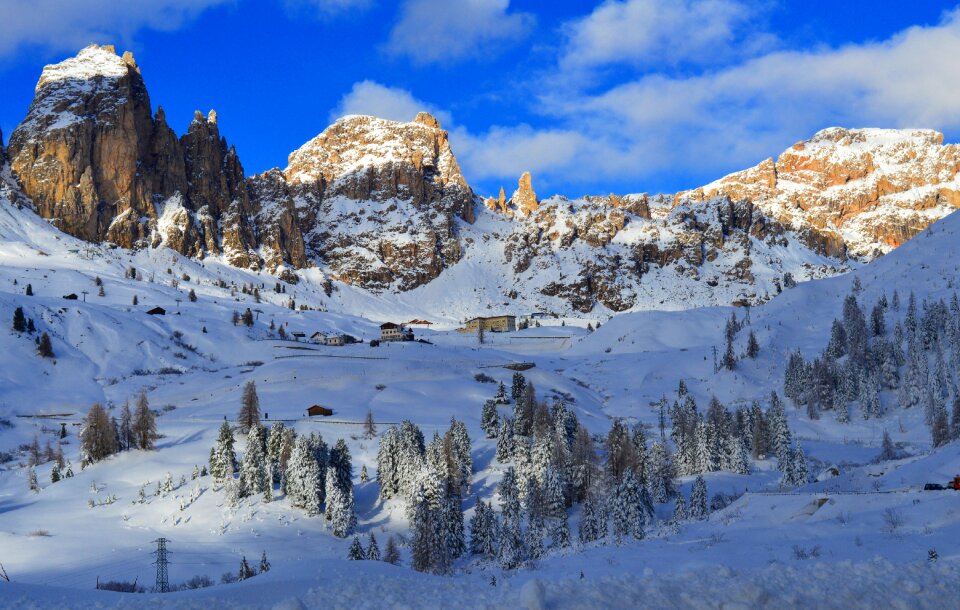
318	410
157	311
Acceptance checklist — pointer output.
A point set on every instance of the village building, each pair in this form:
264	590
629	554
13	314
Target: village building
318	410
497	324
157	311
390	331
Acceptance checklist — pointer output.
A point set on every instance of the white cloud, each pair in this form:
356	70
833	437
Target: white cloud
724	119
58	25
396	104
327	8
441	31
653	32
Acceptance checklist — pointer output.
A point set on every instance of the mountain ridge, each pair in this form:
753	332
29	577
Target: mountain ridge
383	206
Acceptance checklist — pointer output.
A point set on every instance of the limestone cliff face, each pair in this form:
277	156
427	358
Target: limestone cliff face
98	164
860	192
379	200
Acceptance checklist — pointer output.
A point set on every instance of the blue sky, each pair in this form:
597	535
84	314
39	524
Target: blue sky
591	97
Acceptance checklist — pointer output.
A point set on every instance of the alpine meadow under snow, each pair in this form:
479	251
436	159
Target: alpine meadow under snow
744	395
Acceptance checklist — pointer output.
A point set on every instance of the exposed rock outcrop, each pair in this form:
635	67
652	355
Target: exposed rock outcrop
379	200
94	161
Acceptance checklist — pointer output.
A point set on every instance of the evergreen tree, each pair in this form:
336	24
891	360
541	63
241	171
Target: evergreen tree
391	554
223	459
560	532
505	440
659	478
19	320
264	564
451	526
621	452
29	291
679	510
245	570
939	429
627	511
590	519
500	397
799	466
888	451
192	295
955	420
364	477
55	473
516	389
253	471
753	348
533	541
698	499
339	488
373	551
144	425
489	419
356	550
32	480
275	449
249	407
44	347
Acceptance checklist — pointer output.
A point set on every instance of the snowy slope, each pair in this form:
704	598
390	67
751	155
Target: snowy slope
108	350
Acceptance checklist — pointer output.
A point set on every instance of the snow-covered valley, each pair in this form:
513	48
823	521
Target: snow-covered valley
860	536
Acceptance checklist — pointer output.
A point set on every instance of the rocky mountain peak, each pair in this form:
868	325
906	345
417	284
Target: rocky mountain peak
856	191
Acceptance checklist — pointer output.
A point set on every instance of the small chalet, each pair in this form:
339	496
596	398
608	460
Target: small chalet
319	337
70	297
318	410
335	340
298	335
157	311
390	331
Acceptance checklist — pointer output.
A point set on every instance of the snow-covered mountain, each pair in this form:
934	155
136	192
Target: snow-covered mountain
374	211
861	536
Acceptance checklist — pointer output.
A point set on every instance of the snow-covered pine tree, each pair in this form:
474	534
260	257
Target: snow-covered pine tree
887	449
391	554
264	564
451	526
489	419
659	477
698	499
275	441
799	466
779	429
560	532
356	552
339	507
702	455
517	387
303	478
246	571
500	398
505	440
533	540
939	428
458	453
253	470
249	407
627	513
738	460
222	456
679	510
373	551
